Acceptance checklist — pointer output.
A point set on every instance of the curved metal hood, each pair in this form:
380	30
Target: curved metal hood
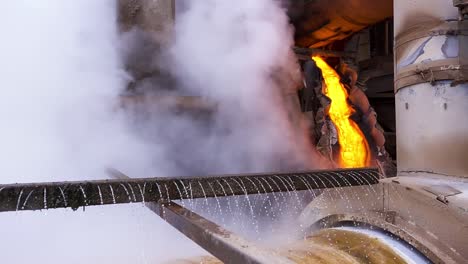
321	22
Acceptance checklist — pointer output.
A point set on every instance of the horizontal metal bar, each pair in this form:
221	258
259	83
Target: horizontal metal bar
306	53
38	196
221	243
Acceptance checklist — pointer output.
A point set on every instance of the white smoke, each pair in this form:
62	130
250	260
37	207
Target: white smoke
230	52
239	56
62	75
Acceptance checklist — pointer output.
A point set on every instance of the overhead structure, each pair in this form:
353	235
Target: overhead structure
321	22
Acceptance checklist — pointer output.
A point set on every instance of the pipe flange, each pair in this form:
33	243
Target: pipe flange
415	59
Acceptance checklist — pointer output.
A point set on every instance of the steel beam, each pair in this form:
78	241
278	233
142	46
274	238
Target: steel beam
307	53
38	196
225	245
221	243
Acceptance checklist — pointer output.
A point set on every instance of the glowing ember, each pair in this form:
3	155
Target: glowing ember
354	149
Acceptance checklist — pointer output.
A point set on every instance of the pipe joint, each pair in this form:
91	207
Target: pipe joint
431	53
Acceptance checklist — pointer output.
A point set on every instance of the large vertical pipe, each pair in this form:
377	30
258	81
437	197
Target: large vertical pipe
431	53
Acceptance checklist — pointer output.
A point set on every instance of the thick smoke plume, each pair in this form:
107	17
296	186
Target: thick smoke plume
238	56
62	76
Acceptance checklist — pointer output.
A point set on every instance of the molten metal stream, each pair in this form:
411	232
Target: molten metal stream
354	150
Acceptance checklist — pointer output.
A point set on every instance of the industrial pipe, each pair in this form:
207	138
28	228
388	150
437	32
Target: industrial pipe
431	52
19	197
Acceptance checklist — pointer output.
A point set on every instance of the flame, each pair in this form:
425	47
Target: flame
354	149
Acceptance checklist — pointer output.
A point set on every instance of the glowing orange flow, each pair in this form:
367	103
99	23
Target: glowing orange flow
354	149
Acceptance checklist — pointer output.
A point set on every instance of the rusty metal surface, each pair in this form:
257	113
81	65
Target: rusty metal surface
192	104
150	15
38	196
223	244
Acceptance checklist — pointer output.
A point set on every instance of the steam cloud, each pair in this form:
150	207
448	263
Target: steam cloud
238	56
62	75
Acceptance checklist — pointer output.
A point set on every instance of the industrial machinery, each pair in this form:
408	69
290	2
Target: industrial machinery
419	214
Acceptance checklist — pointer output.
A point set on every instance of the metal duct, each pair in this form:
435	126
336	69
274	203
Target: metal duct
431	87
321	22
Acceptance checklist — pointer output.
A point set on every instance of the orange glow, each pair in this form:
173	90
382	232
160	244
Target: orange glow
354	149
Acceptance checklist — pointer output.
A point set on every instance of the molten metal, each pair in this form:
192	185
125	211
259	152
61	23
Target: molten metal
354	150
